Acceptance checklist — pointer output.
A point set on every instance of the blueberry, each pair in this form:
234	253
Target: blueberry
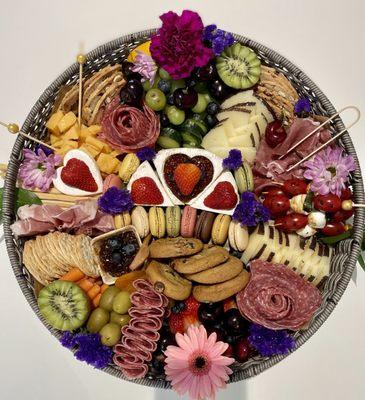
212	108
178	307
129	249
117	257
113	243
170	99
211	120
164	86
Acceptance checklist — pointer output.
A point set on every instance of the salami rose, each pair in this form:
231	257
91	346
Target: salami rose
129	129
277	298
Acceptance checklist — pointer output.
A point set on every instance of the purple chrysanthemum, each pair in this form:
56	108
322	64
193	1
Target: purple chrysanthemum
302	106
250	212
270	342
329	171
146	66
178	45
38	169
234	159
146	154
217	38
89	348
115	201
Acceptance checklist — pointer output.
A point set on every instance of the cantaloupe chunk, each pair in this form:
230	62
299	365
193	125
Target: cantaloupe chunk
66	122
52	123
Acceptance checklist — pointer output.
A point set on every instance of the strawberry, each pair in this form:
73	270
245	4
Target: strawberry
191	307
223	197
145	191
176	323
229	303
77	174
186	176
189	320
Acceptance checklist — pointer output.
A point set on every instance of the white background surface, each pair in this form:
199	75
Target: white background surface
39	39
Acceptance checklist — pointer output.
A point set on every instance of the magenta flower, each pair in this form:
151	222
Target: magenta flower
144	65
178	45
197	365
37	169
329	171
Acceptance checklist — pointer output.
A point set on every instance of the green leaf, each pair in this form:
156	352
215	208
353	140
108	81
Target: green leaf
336	239
361	261
22	198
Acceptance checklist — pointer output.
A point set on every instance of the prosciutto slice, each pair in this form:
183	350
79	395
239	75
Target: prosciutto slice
84	217
128	129
277	298
267	167
140	336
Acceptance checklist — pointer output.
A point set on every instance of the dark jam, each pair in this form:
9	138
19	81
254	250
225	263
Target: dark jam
205	166
117	252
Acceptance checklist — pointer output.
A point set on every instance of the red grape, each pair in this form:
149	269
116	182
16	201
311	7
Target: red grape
327	203
275	133
274	191
295	186
333	229
342	215
292	222
277	205
242	350
346	194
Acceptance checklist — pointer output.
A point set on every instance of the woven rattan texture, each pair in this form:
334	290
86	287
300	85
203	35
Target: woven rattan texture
116	51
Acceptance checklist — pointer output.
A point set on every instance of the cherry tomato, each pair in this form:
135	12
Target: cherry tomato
275	133
292	222
346	194
327	203
341	215
277	205
275	191
295	186
334	228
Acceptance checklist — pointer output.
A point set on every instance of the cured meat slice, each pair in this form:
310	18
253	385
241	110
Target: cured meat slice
128	129
277	298
140	336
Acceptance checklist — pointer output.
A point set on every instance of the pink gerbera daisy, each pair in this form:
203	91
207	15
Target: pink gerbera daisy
197	365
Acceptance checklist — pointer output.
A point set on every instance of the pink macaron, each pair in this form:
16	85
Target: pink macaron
188	220
110	181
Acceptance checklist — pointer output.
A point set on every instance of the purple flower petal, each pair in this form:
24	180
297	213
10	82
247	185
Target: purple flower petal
115	201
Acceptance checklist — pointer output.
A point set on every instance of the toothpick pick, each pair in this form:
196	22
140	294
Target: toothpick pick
81	59
348	205
14	128
329	141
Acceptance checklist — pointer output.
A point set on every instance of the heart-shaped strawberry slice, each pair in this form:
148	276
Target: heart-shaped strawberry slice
223	197
186	176
77	174
145	191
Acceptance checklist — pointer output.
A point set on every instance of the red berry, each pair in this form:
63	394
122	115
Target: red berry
223	197
275	191
327	203
176	323
186	176
295	186
242	350
229	351
342	215
277	205
145	191
334	229
191	306
292	222
275	133
77	174
346	194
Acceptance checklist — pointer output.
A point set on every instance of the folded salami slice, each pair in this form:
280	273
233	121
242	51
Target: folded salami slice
277	298
140	336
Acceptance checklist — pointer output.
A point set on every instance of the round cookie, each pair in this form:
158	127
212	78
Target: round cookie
173	221
204	225
175	247
140	221
156	218
220	229
188	220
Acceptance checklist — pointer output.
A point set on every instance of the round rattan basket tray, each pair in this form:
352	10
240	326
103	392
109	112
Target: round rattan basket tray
347	251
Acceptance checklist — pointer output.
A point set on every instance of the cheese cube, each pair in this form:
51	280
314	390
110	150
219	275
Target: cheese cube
72	133
53	138
94	129
66	122
59	143
52	123
107	163
71	143
92	151
98	144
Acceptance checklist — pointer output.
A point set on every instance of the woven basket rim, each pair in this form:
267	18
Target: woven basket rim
354	242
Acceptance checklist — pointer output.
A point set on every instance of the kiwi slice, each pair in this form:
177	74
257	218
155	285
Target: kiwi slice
64	305
238	67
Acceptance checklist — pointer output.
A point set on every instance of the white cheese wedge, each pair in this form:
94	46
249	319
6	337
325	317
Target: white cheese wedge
93	168
163	155
198	202
146	171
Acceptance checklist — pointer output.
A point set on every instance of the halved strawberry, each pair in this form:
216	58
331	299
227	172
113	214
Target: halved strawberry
191	306
77	174
145	191
186	176
176	323
223	197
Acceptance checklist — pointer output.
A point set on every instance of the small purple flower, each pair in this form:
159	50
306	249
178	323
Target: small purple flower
329	171
234	159
302	106
217	38
145	65
115	201
89	348
47	150
250	212
270	342
146	154
38	169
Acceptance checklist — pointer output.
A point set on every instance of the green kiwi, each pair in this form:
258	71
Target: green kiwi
238	67
64	305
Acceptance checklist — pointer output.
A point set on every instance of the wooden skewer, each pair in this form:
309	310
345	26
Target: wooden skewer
321	125
63	204
14	128
81	59
62	197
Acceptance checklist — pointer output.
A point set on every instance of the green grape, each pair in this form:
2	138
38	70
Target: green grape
164	74
175	116
155	99
201	105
